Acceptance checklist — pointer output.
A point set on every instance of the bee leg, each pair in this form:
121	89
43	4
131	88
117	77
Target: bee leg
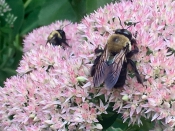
49	67
98	50
133	52
133	41
64	41
134	68
135	35
119	84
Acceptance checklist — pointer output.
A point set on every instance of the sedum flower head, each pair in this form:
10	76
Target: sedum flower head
155	60
54	90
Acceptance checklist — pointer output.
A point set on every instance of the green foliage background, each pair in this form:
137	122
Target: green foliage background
35	13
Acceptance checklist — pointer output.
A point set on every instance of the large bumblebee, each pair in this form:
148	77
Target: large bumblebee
58	37
110	66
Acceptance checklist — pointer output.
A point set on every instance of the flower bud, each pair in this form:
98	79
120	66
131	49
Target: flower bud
125	98
81	79
98	126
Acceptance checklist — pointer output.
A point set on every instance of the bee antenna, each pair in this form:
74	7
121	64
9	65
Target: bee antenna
133	24
65	25
46	43
120	22
129	26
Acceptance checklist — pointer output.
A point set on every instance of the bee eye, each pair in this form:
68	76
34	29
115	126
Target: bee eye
116	39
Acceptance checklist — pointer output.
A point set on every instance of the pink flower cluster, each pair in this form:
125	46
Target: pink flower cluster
54	90
51	91
155	37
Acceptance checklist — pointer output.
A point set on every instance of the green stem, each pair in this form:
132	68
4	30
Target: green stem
27	3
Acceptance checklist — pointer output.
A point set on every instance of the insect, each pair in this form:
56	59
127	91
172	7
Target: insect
110	66
58	37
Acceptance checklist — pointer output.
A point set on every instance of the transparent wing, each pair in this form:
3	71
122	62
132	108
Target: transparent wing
115	69
101	69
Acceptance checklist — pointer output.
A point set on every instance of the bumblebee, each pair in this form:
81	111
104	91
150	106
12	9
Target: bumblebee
58	37
110	66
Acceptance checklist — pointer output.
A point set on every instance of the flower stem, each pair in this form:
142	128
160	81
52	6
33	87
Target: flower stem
27	3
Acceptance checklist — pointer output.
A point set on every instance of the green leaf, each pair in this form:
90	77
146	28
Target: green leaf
7	53
5	30
9	62
10	57
79	6
9	71
56	10
32	5
17	57
147	124
106	120
92	5
18	11
114	129
119	123
5	74
30	22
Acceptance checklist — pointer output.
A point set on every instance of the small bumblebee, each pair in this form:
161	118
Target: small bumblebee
58	37
110	66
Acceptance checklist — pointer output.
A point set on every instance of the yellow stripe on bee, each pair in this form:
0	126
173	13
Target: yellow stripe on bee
53	33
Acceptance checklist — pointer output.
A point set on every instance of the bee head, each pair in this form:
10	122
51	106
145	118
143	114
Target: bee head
117	42
124	32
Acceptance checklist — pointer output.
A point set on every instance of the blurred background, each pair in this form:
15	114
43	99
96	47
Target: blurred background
19	17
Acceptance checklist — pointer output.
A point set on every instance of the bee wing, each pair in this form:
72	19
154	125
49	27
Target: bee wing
115	69
101	69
